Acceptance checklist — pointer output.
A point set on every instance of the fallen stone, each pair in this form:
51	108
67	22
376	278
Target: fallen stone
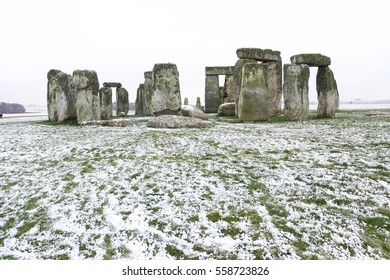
296	91
378	114
311	59
266	55
192	112
227	109
174	121
11	108
327	93
254	101
113	122
112	84
166	89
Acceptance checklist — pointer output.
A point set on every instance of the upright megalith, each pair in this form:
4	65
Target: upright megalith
185	101
296	91
122	101
237	79
139	101
61	97
166	98
105	94
198	104
275	86
213	96
86	84
228	89
51	95
327	93
148	91
255	96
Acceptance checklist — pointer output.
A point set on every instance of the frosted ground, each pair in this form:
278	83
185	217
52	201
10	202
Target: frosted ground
318	189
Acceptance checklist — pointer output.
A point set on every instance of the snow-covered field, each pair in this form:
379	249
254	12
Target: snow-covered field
272	190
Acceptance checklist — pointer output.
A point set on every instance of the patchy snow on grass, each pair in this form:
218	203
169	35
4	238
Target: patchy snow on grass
317	189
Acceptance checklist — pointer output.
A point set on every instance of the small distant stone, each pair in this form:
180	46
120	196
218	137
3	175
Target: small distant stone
227	109
173	121
378	114
311	59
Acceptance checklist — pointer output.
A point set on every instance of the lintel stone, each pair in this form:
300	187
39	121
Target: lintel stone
219	70
112	84
266	55
311	59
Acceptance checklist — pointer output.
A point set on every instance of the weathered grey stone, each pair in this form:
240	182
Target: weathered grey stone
166	89
275	87
213	96
105	94
227	109
86	83
174	121
296	91
113	122
148	91
198	104
122	101
229	89
237	78
65	97
51	95
61	97
255	99
185	101
139	101
112	84
327	93
266	55
311	59
192	112
220	70
86	79
84	105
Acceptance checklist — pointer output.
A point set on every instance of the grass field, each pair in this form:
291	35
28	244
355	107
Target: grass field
317	189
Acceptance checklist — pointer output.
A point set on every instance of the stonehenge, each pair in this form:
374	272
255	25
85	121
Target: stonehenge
78	97
253	90
257	98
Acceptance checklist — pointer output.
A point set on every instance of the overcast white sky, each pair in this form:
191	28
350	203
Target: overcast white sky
121	39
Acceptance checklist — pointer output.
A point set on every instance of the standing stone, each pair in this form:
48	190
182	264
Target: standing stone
105	94
148	91
86	84
296	91
186	101
122	101
229	89
139	101
275	77
65	98
327	93
237	79
166	98
51	95
198	104
212	94
255	99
